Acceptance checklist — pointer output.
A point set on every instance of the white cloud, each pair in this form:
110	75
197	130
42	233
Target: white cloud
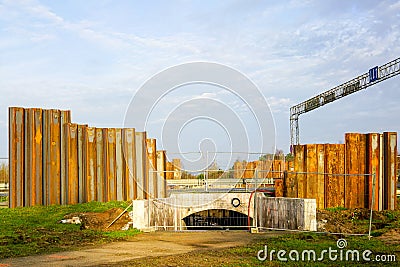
292	50
279	104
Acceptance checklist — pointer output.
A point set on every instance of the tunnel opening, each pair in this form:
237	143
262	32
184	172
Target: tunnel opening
217	219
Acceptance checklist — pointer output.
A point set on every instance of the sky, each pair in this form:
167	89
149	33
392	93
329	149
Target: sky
93	56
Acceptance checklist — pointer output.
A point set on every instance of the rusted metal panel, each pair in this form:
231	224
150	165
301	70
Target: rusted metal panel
82	164
270	167
290	165
130	163
46	118
355	164
311	169
290	181
381	172
52	157
152	152
100	180
249	172
16	157
110	164
278	168
91	161
65	117
37	163
315	167
373	165
321	176
161	172
120	165
390	181
238	169
141	165
264	168
334	184
152	167
278	184
71	163
170	170
393	170
33	157
28	157
300	168
290	185
177	168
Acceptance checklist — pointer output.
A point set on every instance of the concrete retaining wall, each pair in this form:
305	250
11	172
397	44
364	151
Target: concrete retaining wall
286	213
168	213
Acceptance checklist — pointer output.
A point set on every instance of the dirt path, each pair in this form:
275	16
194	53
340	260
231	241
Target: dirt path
144	245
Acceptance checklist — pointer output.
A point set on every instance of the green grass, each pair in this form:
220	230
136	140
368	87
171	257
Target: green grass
336	209
35	230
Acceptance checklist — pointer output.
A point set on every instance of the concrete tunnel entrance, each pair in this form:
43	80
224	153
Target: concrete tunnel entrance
217	219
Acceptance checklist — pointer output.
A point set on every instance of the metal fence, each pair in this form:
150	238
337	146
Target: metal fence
226	182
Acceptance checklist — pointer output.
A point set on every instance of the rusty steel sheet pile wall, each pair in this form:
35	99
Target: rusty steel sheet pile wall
173	169
357	174
54	161
266	172
260	169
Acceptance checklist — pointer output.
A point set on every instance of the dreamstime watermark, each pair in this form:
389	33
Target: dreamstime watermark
204	104
332	254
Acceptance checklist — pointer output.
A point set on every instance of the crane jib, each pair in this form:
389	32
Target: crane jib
374	75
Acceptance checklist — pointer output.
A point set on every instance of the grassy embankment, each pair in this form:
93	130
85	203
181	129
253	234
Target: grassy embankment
35	230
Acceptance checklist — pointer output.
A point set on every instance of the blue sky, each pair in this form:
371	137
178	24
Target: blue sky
92	56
